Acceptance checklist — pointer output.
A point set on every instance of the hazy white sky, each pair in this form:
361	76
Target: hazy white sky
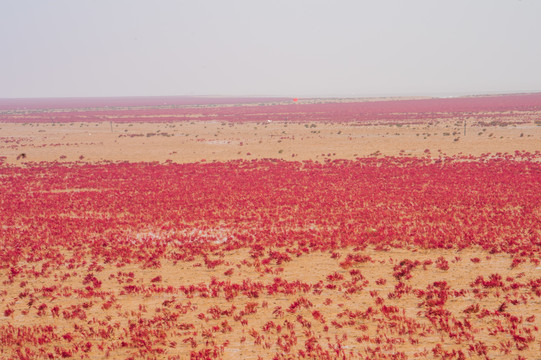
72	48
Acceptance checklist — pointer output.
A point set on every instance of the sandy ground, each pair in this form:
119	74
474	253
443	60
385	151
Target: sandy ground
222	141
420	335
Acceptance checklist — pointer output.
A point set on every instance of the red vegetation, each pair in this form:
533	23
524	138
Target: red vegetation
516	108
75	240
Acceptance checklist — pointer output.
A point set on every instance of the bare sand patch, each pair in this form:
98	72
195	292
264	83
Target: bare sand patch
183	142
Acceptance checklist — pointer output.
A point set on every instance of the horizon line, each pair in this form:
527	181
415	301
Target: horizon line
287	96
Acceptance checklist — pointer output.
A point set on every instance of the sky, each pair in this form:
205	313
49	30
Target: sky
299	48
